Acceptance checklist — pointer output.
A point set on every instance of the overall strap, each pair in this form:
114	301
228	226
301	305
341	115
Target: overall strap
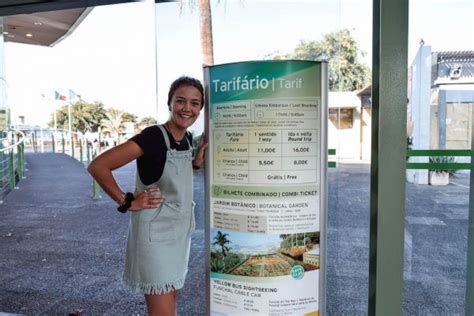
165	136
190	145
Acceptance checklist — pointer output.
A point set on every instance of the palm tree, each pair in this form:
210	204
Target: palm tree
205	18
113	124
207	44
222	241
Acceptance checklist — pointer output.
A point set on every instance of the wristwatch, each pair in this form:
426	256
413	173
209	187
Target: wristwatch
127	202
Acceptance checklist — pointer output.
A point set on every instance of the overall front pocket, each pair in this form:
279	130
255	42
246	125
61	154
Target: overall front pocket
164	226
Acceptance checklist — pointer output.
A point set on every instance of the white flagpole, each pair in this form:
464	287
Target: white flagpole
69	117
55	121
55	116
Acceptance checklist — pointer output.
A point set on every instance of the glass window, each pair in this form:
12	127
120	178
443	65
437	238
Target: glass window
341	118
440	117
266	30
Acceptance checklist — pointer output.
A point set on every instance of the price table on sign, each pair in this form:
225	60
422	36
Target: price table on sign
249	223
256	156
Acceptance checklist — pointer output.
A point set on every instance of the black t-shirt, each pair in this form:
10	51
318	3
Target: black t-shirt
151	164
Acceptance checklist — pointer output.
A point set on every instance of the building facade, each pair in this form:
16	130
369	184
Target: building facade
349	125
440	102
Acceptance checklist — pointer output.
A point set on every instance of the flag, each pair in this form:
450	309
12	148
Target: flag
59	96
73	96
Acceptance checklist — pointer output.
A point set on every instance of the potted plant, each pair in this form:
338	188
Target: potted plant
440	176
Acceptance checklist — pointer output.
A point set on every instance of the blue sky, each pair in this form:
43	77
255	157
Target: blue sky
110	56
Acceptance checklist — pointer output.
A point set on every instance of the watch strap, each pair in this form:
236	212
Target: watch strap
127	202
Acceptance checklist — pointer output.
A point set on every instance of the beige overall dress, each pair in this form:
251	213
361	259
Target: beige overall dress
158	243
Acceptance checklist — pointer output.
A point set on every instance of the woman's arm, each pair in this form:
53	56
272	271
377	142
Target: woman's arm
198	161
101	170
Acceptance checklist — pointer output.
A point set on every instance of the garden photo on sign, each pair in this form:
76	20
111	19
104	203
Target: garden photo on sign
262	255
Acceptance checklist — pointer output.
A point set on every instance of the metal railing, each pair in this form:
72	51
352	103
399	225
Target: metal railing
12	161
61	141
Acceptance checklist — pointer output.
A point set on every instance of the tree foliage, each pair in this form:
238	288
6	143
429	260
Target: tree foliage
221	240
146	121
129	117
86	117
346	72
112	124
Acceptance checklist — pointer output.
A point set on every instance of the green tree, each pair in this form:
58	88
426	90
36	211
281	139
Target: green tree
129	117
146	121
85	117
346	72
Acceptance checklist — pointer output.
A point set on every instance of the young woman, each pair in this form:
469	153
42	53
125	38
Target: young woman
162	209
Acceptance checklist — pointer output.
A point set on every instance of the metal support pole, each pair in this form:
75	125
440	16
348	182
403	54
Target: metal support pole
3	169
80	150
470	236
11	170
19	158
22	148
63	142
387	185
96	190
34	138
53	142
19	162
72	146
88	153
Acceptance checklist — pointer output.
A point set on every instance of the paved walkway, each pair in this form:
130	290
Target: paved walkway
61	251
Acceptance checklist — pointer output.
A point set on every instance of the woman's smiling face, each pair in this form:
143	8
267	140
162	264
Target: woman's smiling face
185	106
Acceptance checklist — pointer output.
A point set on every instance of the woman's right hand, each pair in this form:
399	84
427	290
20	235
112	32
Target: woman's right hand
150	198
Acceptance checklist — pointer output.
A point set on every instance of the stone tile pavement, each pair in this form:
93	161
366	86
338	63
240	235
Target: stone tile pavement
61	251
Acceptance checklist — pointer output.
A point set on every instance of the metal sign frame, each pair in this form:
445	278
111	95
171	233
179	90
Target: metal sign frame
321	176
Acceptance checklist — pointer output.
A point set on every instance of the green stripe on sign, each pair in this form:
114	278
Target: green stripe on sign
438	166
331	151
331	164
438	152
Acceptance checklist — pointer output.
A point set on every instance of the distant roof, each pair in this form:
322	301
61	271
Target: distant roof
43	28
365	91
452	67
347	99
459	56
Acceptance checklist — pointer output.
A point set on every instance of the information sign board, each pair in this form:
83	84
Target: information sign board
266	187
